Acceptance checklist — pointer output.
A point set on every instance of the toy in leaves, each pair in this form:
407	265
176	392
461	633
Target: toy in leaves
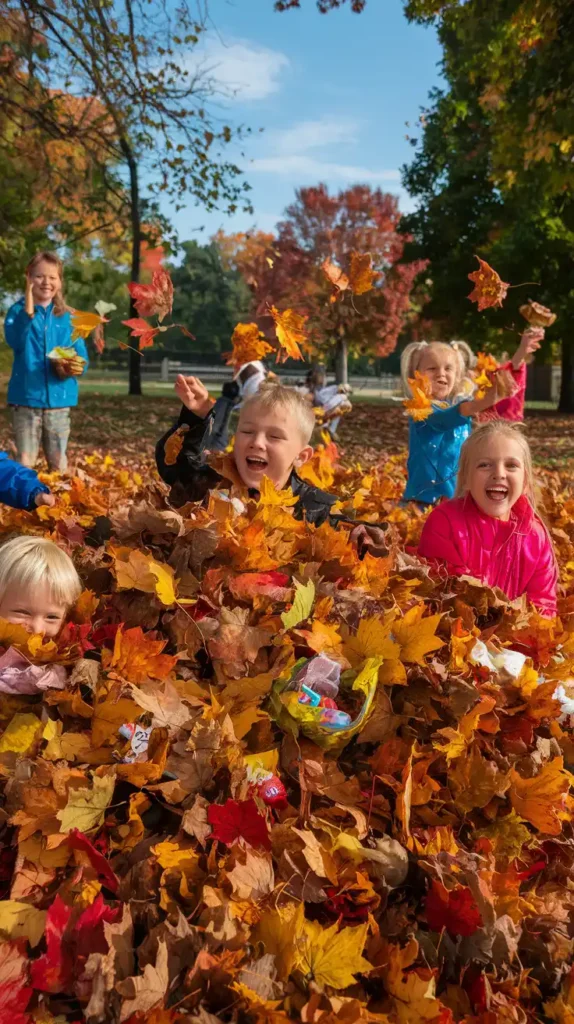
302	700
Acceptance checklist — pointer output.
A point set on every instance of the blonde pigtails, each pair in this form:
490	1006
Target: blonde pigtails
410	361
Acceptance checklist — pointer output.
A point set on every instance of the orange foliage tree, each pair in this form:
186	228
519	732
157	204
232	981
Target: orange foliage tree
289	270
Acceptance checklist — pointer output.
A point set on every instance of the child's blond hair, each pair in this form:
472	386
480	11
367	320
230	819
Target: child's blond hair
277	396
473	444
36	561
412	355
60	306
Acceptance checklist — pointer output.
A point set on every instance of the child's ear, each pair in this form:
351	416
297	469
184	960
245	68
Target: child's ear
304	455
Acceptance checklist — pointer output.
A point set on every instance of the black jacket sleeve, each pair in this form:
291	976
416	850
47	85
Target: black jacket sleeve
189	476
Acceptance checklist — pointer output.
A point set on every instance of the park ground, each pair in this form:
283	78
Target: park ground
110	421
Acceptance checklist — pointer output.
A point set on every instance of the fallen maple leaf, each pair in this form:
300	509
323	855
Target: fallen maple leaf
330	956
155	298
453	909
142	992
290	333
20	920
489	289
15	991
137	658
416	634
236	820
86	808
51	972
541	799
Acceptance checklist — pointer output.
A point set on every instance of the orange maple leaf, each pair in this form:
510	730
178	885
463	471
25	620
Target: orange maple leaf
155	299
141	329
290	334
362	277
249	345
337	277
136	658
174	444
419	405
489	289
541	799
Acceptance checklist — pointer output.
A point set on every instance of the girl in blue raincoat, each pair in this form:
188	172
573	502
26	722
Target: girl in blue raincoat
41	389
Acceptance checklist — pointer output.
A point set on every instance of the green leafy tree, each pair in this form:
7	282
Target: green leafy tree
521	222
208	299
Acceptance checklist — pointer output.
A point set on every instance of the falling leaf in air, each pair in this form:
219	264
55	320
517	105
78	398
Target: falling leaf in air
290	328
419	405
489	289
84	323
141	329
249	345
362	277
537	315
155	299
174	444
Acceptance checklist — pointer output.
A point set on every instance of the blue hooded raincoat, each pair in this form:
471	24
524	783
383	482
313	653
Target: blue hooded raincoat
33	382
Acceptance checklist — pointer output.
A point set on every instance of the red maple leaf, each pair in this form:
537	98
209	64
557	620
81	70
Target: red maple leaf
155	298
489	288
15	992
142	330
238	819
88	933
453	909
78	841
53	970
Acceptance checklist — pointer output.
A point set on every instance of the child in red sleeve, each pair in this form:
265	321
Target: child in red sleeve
490	529
512	408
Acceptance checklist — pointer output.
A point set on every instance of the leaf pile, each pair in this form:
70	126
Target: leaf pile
424	873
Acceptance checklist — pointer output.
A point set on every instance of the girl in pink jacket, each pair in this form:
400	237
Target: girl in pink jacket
490	529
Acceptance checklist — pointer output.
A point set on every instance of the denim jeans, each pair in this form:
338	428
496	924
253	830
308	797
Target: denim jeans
48	427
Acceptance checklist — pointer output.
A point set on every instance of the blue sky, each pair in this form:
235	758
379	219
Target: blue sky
331	92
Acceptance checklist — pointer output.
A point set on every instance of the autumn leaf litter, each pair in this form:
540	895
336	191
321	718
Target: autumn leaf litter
420	871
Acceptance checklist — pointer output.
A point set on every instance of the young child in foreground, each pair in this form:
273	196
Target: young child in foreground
490	530
435	443
38	587
272	440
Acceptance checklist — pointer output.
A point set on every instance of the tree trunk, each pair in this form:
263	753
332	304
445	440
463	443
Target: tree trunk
135	359
341	372
566	403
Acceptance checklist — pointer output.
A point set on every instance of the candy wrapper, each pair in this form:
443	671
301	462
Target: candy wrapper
293	717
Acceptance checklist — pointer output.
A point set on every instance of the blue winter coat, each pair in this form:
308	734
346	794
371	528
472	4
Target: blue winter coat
33	381
19	485
434	453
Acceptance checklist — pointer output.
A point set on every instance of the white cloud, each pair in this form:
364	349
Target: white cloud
313	134
299	166
238	70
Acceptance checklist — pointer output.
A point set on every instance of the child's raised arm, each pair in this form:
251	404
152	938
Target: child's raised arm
194	395
530	342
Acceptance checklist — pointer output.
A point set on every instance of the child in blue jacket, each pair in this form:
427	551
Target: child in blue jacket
435	442
20	487
40	391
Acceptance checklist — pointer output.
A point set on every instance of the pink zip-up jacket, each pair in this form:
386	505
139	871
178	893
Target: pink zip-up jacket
516	556
511	408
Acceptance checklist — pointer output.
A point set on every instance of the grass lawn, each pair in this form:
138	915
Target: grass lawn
108	420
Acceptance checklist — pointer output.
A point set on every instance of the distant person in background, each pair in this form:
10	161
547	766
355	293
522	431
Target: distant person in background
246	382
331	399
42	390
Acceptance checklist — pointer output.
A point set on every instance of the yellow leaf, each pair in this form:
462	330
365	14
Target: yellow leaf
21	734
372	640
361	274
454	743
135	574
416	635
419	405
85	323
276	931
164	582
86	808
323	639
289	326
21	921
539	800
269	494
329	955
302	605
171	855
267	761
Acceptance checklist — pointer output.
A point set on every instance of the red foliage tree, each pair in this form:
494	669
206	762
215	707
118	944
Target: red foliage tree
319	226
